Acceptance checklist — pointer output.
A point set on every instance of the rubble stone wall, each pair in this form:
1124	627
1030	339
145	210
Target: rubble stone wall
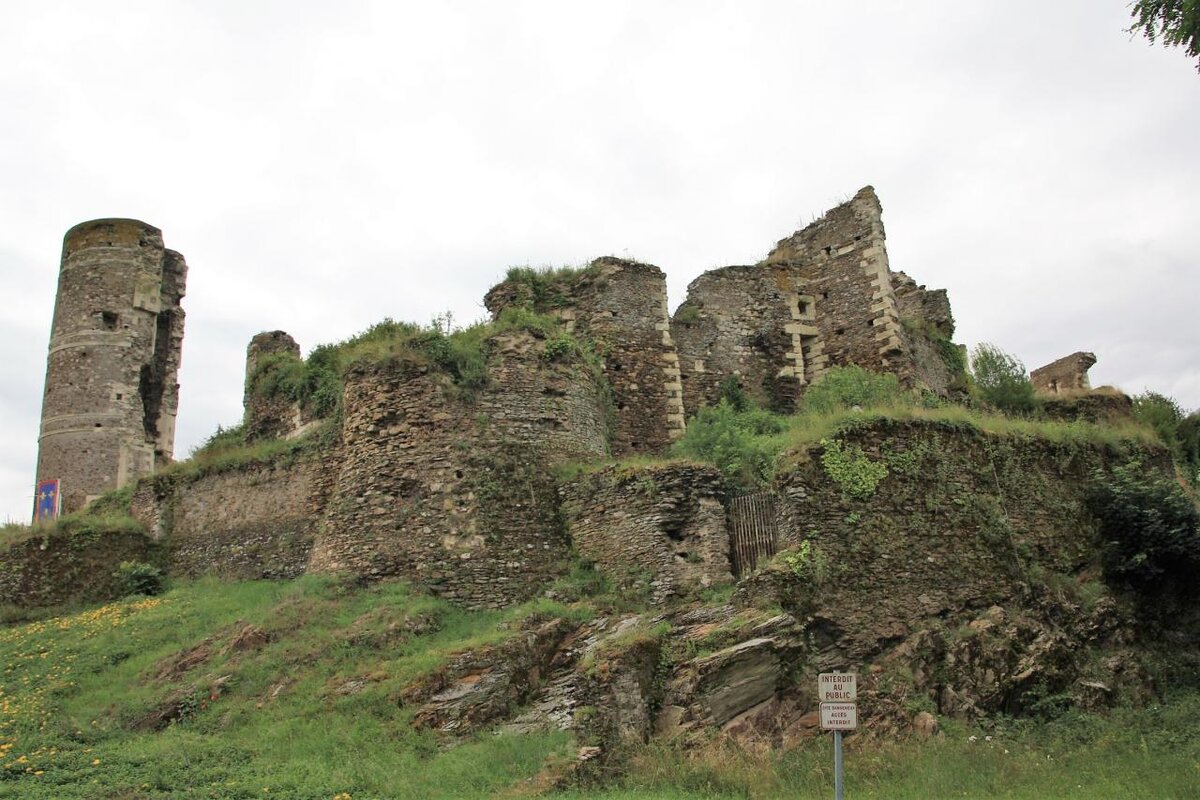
268	417
453	492
750	323
955	502
67	568
254	521
622	306
662	525
1067	374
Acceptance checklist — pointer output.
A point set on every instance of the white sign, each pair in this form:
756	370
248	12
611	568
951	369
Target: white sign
837	687
839	716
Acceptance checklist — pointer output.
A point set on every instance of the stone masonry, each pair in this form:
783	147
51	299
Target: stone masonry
824	297
452	492
108	414
751	323
451	486
268	417
843	261
622	306
663	526
1067	374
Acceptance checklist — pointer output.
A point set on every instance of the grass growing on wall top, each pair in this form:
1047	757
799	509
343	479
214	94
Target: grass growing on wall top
750	445
315	383
545	287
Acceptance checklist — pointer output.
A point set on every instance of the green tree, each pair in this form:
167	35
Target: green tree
1173	22
1149	530
1179	432
1001	379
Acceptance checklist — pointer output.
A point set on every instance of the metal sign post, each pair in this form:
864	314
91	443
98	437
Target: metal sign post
837	692
838	789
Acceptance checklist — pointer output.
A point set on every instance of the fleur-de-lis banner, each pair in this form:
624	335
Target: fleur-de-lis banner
47	500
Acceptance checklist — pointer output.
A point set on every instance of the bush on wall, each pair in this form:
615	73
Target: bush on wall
1149	530
1002	381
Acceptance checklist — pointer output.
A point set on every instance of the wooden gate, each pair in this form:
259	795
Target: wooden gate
753	536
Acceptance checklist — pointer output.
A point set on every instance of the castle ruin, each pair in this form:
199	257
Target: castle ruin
455	490
108	413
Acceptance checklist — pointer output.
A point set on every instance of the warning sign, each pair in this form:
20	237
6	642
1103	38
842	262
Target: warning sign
837	687
839	716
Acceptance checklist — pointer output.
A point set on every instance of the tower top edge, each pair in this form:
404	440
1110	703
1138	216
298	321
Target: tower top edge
117	225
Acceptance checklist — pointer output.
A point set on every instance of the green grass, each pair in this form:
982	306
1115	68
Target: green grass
721	437
259	722
1151	753
273	719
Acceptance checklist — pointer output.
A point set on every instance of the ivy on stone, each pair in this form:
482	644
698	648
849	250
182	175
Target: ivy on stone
851	469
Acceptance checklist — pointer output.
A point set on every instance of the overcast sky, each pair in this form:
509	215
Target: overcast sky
324	165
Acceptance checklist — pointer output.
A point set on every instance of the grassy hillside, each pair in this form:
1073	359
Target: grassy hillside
220	690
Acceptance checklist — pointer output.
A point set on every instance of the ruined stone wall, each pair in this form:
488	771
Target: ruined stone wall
268	417
927	327
111	397
59	567
755	324
452	491
659	528
257	520
552	404
622	306
931	306
956	523
844	262
1067	374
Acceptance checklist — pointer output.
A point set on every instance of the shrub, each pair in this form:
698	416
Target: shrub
741	444
1149	529
730	391
844	388
1002	381
138	577
221	440
1162	414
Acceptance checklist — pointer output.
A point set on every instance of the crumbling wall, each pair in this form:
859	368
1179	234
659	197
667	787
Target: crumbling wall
622	306
59	567
553	403
755	324
844	264
269	416
927	326
955	524
453	491
256	520
108	413
1067	374
662	526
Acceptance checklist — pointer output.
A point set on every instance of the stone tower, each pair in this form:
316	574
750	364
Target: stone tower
108	412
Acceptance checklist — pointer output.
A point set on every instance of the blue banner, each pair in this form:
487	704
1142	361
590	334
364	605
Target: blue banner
47	500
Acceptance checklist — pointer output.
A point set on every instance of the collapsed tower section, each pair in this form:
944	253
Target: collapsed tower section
824	297
621	305
108	412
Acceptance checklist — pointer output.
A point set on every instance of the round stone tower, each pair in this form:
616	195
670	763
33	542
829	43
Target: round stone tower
108	413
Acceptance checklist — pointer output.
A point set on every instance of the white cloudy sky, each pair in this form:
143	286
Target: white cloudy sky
324	165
